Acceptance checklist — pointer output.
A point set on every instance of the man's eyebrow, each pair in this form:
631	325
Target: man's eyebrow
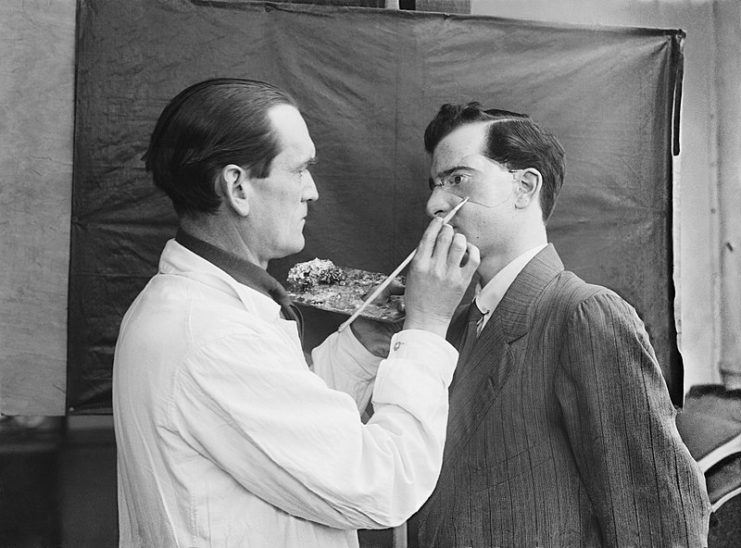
447	172
453	169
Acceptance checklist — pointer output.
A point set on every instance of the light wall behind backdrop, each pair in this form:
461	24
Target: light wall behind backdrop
37	47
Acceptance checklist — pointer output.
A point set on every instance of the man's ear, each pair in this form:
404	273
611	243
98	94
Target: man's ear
527	187
232	186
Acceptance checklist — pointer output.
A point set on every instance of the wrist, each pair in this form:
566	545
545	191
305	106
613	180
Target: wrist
374	336
438	326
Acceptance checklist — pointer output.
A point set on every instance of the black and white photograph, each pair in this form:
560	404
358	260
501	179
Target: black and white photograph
370	274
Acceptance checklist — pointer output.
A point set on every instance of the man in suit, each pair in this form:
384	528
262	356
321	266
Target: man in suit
561	431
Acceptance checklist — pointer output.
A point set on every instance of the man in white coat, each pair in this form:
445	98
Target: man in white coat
226	437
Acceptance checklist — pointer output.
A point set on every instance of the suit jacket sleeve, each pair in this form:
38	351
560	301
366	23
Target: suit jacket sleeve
644	486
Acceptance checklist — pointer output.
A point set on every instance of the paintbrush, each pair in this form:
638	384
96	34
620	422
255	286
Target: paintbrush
393	275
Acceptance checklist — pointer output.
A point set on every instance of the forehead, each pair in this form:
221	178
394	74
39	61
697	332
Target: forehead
464	141
291	132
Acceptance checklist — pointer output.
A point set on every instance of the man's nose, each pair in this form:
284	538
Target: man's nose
310	192
438	204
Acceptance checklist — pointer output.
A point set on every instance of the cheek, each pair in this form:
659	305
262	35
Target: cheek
287	202
481	229
468	226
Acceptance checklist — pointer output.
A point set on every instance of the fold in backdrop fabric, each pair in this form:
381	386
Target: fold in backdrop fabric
368	81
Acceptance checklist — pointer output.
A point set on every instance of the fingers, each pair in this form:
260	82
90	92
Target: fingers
395	287
457	250
449	248
429	238
435	241
442	246
472	260
438	277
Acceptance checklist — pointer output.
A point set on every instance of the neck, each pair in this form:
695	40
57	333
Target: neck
221	233
493	263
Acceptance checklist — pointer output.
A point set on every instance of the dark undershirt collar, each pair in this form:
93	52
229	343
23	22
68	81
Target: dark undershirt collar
244	272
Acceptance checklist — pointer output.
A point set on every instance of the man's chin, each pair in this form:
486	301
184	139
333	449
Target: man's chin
289	250
300	245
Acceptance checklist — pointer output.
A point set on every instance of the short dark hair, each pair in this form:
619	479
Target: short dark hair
514	140
205	127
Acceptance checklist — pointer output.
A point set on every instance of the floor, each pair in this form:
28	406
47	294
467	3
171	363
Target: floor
58	489
58	484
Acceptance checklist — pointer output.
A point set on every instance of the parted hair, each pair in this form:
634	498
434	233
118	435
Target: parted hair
205	127
514	140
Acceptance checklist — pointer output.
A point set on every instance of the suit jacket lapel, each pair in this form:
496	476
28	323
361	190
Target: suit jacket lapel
481	375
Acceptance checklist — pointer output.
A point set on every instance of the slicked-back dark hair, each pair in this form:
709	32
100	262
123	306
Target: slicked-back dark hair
514	140
205	127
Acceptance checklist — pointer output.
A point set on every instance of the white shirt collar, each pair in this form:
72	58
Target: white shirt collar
176	259
491	294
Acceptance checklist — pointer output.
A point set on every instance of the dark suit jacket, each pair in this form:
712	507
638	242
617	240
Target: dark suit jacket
561	431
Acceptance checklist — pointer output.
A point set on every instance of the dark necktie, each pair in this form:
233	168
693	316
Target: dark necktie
245	273
471	331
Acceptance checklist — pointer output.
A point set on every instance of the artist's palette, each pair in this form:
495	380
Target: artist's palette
342	290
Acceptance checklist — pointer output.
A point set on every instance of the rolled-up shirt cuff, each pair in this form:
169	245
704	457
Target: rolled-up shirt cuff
420	365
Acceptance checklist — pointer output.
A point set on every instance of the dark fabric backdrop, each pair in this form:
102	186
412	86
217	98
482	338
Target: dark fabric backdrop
368	81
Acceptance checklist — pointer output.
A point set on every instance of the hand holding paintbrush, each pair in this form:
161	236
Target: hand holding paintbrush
437	274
